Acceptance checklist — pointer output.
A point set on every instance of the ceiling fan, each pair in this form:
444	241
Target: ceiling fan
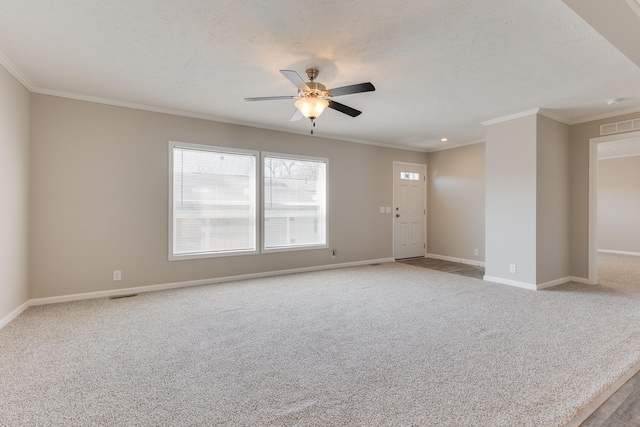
313	97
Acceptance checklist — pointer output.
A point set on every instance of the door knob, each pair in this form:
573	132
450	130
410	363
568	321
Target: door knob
397	215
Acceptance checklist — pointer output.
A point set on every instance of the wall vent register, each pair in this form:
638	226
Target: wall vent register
618	127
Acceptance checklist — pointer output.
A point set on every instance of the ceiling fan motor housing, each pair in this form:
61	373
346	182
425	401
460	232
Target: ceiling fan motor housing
312	73
315	89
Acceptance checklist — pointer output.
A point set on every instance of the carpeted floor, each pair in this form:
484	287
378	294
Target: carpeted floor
623	408
616	269
375	345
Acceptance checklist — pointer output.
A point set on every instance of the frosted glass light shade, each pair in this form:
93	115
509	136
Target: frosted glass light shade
311	107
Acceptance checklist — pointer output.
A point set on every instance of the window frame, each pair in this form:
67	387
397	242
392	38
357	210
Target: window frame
411	176
256	201
290	248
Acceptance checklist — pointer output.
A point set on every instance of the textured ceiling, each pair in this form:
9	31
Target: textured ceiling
440	68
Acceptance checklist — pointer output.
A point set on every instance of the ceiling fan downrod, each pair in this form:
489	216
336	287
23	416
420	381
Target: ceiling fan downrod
312	73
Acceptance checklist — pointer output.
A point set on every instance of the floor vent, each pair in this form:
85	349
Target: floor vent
617	127
123	296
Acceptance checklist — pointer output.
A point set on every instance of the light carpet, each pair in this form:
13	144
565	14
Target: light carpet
387	344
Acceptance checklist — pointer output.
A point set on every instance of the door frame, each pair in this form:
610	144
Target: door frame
593	198
393	202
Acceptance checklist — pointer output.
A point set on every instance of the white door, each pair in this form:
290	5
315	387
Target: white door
409	210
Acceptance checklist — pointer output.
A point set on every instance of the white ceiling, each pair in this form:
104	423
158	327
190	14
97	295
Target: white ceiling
440	68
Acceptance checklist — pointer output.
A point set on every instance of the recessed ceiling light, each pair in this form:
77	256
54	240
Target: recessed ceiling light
613	102
444	140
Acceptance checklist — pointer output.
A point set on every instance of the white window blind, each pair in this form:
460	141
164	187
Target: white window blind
213	201
295	202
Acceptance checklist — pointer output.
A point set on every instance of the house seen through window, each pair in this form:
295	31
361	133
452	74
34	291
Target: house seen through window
295	209
214	202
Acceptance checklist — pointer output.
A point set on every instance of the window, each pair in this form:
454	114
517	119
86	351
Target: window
410	176
295	202
213	201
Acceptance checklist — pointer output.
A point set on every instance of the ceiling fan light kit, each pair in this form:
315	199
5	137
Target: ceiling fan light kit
311	107
313	98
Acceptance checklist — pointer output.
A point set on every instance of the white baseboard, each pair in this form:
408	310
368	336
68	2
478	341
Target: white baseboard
454	259
580	280
177	285
113	292
609	251
15	313
515	283
529	286
553	283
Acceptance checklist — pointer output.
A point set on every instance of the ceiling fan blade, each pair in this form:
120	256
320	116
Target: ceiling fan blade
295	79
346	90
297	115
344	109
269	98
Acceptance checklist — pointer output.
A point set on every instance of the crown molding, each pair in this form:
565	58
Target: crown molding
180	113
462	144
18	75
560	118
554	116
605	115
511	117
15	72
536	111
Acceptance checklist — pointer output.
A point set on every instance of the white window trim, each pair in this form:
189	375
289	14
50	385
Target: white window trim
215	149
262	203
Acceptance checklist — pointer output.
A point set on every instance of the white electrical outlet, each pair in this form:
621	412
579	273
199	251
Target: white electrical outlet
117	275
475	252
512	268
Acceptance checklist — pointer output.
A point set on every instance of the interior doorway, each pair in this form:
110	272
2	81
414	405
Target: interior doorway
620	145
409	210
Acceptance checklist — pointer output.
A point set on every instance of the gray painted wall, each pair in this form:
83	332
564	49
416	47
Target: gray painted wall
579	135
100	197
510	229
619	204
552	225
528	201
93	180
456	208
14	188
